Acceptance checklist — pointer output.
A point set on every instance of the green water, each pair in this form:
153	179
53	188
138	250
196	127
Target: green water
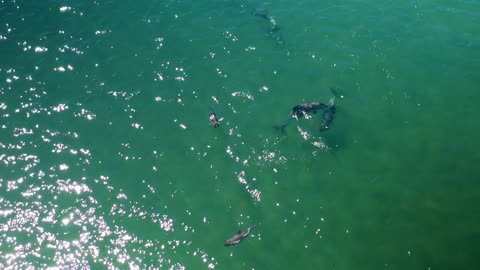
108	161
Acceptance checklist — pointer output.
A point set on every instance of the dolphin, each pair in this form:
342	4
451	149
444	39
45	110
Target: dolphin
214	120
263	13
328	115
300	111
237	238
260	12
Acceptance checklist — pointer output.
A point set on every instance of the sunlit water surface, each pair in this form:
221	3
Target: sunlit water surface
107	158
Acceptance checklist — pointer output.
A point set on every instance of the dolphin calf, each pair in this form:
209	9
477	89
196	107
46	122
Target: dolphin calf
237	238
328	115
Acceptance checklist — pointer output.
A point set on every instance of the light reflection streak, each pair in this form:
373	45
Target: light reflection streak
255	193
243	94
315	141
70	202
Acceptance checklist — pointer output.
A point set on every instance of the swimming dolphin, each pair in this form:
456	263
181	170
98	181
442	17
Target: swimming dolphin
260	12
237	238
263	13
302	109
328	115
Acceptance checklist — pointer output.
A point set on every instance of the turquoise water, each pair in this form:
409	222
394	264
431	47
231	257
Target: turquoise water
108	161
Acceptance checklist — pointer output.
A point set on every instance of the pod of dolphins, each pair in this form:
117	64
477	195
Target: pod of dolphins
298	111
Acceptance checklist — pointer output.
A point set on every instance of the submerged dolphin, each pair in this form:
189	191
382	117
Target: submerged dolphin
328	115
260	12
263	13
237	238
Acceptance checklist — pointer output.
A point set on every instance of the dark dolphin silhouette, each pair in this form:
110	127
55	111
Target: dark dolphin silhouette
237	238
328	114
263	13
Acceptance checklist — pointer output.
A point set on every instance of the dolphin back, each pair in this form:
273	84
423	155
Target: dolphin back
328	115
237	238
260	12
249	229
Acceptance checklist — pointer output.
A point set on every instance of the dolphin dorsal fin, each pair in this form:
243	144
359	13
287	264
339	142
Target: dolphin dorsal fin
239	231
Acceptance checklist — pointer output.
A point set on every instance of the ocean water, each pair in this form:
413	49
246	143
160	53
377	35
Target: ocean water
108	160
